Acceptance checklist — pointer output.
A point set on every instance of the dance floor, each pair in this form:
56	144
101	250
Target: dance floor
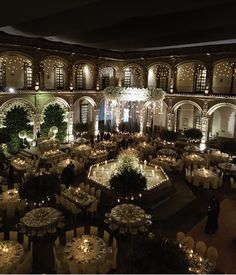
223	239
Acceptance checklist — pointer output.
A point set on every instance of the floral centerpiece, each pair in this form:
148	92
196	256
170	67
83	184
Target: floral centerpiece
133	94
127	179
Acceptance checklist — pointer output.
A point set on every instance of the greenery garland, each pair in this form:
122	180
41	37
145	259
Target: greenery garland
113	93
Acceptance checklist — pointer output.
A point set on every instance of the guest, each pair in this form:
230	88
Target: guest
92	140
98	137
10	177
213	212
102	135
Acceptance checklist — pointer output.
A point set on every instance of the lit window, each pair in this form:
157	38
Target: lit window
59	77
200	80
127	82
28	77
84	112
162	77
105	81
80	78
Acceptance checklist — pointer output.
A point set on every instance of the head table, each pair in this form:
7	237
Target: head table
78	197
11	255
85	253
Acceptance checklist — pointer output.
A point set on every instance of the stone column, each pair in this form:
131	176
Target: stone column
204	129
142	114
95	121
70	115
36	74
174	79
170	120
37	123
96	78
209	79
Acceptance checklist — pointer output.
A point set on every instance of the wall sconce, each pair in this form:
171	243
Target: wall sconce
71	87
36	86
97	87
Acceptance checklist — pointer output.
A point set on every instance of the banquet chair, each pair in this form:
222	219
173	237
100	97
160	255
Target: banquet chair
80	231
1	236
105	267
188	242
106	237
94	230
180	237
93	208
69	235
75	210
188	175
4	188
233	183
92	190
81	186
87	188
221	179
212	255
21	207
201	248
13	236
98	194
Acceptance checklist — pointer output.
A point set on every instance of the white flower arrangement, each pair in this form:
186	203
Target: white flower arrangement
133	94
127	160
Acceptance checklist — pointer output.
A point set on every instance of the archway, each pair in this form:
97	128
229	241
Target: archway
222	121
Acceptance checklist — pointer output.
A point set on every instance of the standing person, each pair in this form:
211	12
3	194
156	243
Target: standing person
10	177
213	212
92	140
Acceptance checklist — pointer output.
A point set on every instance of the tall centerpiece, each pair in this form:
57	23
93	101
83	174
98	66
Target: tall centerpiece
127	180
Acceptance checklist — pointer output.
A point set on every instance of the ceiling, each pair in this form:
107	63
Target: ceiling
124	25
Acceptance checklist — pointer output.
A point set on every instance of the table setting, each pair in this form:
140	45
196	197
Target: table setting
106	144
98	155
192	148
166	162
11	255
9	200
78	197
89	250
145	148
206	177
41	221
63	163
20	164
82	150
216	156
228	168
193	158
128	217
167	152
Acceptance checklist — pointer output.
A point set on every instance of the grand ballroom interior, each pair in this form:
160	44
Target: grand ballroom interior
118	137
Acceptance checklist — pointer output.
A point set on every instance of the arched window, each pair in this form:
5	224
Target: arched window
28	76
59	71
127	80
200	83
162	77
80	78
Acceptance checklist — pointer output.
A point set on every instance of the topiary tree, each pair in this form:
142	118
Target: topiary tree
170	136
54	116
15	121
36	188
193	134
127	180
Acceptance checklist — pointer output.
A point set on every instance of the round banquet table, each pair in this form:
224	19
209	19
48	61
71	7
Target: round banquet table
107	145
78	197
192	148
42	225
167	152
166	162
193	159
85	255
219	157
228	168
204	176
128	217
145	148
11	255
98	155
82	150
9	200
20	165
63	163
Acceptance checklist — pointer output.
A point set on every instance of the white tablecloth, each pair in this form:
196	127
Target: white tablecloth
9	200
193	159
63	163
84	253
205	176
228	168
41	221
11	255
